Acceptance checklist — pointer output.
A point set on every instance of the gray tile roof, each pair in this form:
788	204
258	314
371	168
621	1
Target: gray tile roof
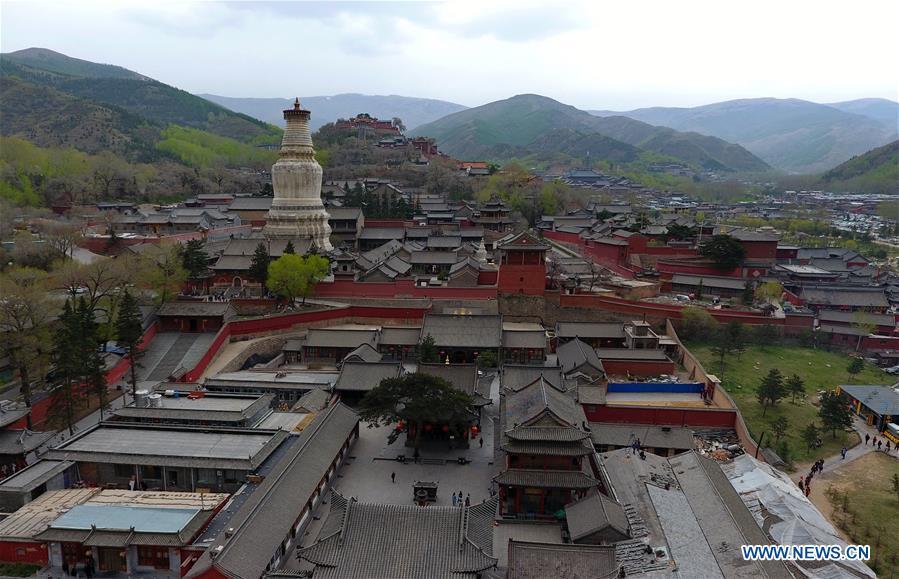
34	475
710	282
530	404
463	377
517	376
14	442
422	543
196	308
228	448
464	331
593	513
530	339
845	297
312	401
589	394
266	517
856	317
651	436
884	400
545	560
551	448
340	338
363	376
217	407
400	336
559	479
7	417
575	355
363	353
251	204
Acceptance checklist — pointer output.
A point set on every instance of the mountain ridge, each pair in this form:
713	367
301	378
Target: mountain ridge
490	130
790	134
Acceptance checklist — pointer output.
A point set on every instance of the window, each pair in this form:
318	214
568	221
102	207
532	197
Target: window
151	556
151	472
123	470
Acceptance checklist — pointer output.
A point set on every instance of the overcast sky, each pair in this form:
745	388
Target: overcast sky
609	54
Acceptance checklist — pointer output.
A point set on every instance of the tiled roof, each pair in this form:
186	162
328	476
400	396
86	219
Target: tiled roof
421	543
400	336
521	408
575	354
884	400
265	519
463	377
364	353
651	436
517	376
590	330
195	308
533	339
557	479
594	513
464	331
579	448
845	297
363	376
340	338
544	560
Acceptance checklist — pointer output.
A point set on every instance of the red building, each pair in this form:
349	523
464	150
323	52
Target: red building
522	267
366	121
194	316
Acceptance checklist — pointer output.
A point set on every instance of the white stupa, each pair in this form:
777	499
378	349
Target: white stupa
297	211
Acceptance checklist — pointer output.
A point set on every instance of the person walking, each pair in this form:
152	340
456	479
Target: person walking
481	441
393	477
879	444
455	500
867	438
468	500
843	452
888	447
802	483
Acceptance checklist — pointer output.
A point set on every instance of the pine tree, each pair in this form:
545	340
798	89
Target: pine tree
427	351
748	294
795	386
810	435
129	331
780	427
67	367
289	248
855	366
259	265
834	413
91	370
771	389
194	259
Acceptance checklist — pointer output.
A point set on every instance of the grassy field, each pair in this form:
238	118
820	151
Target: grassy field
18	569
819	370
873	507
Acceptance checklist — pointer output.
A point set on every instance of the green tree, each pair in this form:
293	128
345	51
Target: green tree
894	482
65	401
259	265
291	276
427	350
780	427
92	367
487	360
162	272
748	293
770	390
729	340
416	399
770	291
699	289
724	251
25	339
765	335
795	386
855	366
289	249
315	268
810	435
697	323
194	258
285	277
129	333
834	413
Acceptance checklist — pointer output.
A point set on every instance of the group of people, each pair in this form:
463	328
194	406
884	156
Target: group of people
9	469
878	443
458	501
805	483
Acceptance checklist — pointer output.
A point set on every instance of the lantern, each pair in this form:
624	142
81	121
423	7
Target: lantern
474	431
445	428
400	425
428	427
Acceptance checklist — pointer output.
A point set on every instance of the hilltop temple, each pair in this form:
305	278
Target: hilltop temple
297	211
